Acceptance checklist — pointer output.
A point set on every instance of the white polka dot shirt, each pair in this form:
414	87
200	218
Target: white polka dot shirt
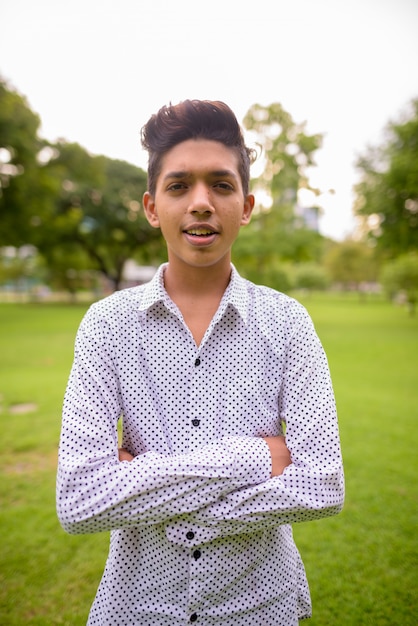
200	531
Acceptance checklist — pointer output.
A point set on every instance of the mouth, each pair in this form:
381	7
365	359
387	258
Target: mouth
200	232
200	235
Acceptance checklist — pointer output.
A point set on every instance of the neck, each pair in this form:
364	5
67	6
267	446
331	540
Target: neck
197	282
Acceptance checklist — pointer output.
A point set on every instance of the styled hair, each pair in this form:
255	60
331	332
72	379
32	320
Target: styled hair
193	119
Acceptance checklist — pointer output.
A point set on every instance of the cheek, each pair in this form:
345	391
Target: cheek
235	216
168	224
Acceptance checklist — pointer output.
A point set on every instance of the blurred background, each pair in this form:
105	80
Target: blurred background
324	89
327	93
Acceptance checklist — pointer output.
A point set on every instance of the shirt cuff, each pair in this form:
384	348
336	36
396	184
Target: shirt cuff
252	458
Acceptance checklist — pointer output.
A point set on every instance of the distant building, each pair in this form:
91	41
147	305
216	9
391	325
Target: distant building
309	216
134	274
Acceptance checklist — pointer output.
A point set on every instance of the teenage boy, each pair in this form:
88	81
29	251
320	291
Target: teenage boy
205	369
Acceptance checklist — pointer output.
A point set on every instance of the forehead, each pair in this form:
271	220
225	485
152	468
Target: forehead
195	155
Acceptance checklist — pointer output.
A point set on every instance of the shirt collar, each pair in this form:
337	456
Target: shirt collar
154	291
236	293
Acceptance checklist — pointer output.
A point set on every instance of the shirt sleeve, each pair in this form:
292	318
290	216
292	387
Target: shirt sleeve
96	492
311	487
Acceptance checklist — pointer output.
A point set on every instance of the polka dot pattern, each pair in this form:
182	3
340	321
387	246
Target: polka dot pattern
199	531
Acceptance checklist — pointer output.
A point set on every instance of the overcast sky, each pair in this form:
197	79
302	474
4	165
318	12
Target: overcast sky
95	70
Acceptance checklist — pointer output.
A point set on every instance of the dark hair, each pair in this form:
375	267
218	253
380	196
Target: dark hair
193	119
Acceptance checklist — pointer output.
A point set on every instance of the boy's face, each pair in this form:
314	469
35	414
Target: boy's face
199	203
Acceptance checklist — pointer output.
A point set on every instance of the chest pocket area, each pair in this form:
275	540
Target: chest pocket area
251	409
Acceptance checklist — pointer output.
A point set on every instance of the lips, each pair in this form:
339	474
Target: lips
200	235
200	232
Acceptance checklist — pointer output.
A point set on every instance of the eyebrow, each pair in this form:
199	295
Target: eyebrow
215	174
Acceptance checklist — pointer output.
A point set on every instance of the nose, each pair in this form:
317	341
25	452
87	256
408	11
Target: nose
200	200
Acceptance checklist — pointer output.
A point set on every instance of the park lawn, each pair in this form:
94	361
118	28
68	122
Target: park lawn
361	564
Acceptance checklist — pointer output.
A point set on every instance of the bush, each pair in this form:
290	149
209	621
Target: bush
401	277
311	276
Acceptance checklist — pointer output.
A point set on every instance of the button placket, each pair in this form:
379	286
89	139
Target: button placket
195	555
197	382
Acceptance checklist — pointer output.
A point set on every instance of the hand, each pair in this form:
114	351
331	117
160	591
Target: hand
280	455
124	455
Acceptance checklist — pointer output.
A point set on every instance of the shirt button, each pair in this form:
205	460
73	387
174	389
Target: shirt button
197	554
190	535
195	422
197	362
193	617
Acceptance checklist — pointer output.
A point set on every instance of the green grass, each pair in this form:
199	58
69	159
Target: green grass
46	576
361	564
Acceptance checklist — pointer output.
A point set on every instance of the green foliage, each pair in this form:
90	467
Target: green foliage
351	263
361	564
288	150
21	178
310	277
401	275
277	234
387	195
82	212
96	214
18	265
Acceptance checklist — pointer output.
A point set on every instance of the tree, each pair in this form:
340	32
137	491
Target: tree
21	180
311	276
82	212
18	267
351	263
288	151
277	233
387	194
401	275
97	210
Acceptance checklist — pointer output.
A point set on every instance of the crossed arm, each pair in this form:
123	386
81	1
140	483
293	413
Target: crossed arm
280	455
240	482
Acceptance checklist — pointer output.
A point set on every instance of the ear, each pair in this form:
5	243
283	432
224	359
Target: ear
248	209
150	210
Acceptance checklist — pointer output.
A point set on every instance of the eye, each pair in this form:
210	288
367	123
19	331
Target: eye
176	187
224	186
